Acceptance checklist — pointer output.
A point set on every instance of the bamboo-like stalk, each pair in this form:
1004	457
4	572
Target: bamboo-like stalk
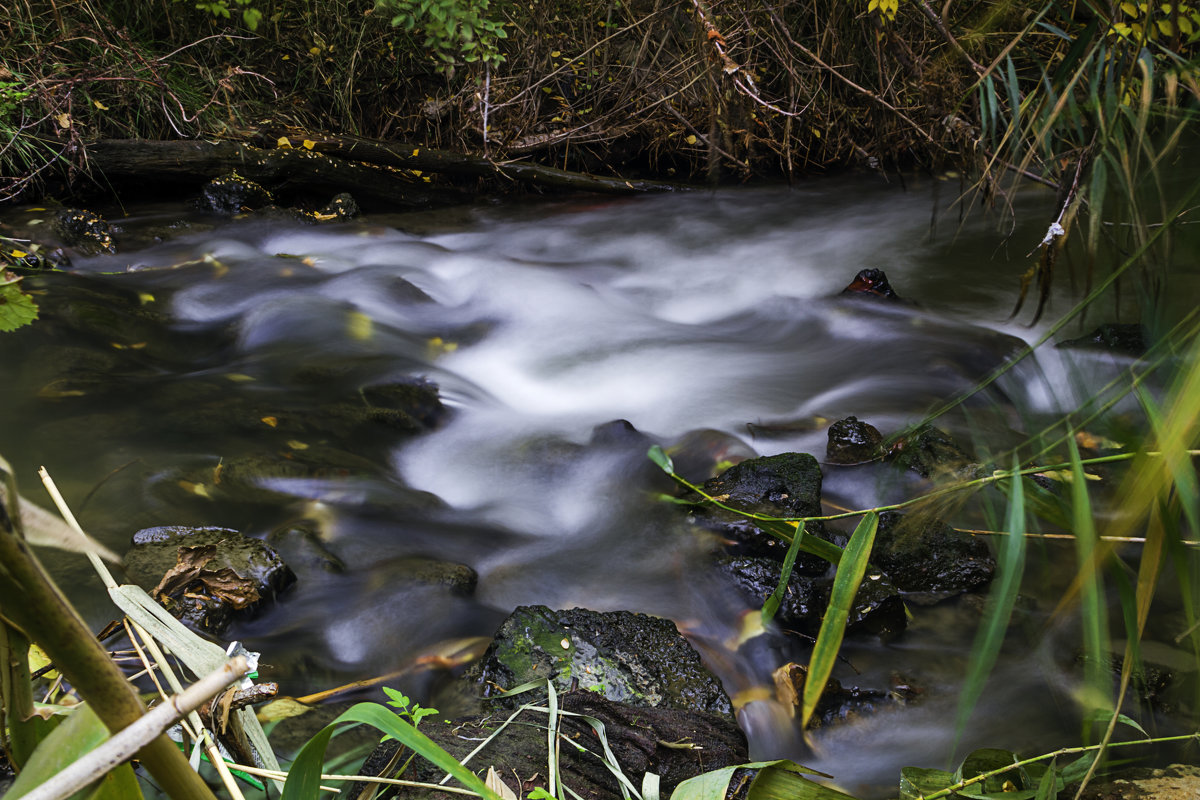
31	601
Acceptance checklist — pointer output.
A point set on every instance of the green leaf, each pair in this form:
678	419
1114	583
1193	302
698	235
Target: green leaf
776	780
1093	608
850	571
16	307
77	735
917	782
660	457
119	784
1000	604
789	561
303	781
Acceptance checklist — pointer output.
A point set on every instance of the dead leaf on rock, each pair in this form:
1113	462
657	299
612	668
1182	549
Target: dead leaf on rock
223	584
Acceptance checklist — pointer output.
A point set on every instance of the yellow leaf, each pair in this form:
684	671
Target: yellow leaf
282	708
296	444
309	144
1166	27
19	254
238	377
272	421
100	105
63	120
145	298
690	139
415	152
286	58
556	54
1129	8
198	489
316	51
359	326
283	142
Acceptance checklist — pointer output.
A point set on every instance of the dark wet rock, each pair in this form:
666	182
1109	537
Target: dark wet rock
1125	338
852	442
788	484
878	608
784	485
415	397
230	575
458	580
672	743
341	207
259	477
627	657
233	194
932	453
301	544
619	433
85	230
927	555
871	283
756	579
840	704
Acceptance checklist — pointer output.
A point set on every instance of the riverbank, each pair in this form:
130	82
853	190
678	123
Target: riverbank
680	91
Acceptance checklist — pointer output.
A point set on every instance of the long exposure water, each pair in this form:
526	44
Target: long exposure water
708	321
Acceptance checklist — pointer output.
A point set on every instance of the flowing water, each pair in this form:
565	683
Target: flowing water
708	321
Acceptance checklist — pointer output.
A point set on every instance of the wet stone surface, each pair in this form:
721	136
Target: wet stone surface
852	442
626	657
927	555
229	574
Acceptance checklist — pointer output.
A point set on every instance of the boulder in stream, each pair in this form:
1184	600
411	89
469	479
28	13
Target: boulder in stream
878	607
85	230
232	194
206	576
871	284
853	442
672	743
1115	337
928	556
626	657
932	453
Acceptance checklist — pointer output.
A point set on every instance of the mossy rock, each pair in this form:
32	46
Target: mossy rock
623	656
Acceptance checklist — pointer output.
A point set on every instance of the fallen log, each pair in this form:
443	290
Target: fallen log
411	156
123	160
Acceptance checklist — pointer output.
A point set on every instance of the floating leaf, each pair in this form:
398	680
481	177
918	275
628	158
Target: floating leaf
16	307
660	457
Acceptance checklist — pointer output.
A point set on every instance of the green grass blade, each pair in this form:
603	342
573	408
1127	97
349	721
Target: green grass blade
303	782
833	626
1093	613
770	607
989	638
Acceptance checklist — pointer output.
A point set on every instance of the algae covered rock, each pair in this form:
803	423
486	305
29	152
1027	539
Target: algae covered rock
626	657
931	452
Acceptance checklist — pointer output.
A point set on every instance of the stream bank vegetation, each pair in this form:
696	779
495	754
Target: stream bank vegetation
1095	100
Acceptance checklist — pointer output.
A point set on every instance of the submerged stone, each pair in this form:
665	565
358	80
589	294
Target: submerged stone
927	555
784	485
931	452
878	608
86	230
871	283
232	194
1125	338
206	576
623	656
852	442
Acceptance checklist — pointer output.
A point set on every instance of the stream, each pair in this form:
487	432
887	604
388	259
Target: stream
709	321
